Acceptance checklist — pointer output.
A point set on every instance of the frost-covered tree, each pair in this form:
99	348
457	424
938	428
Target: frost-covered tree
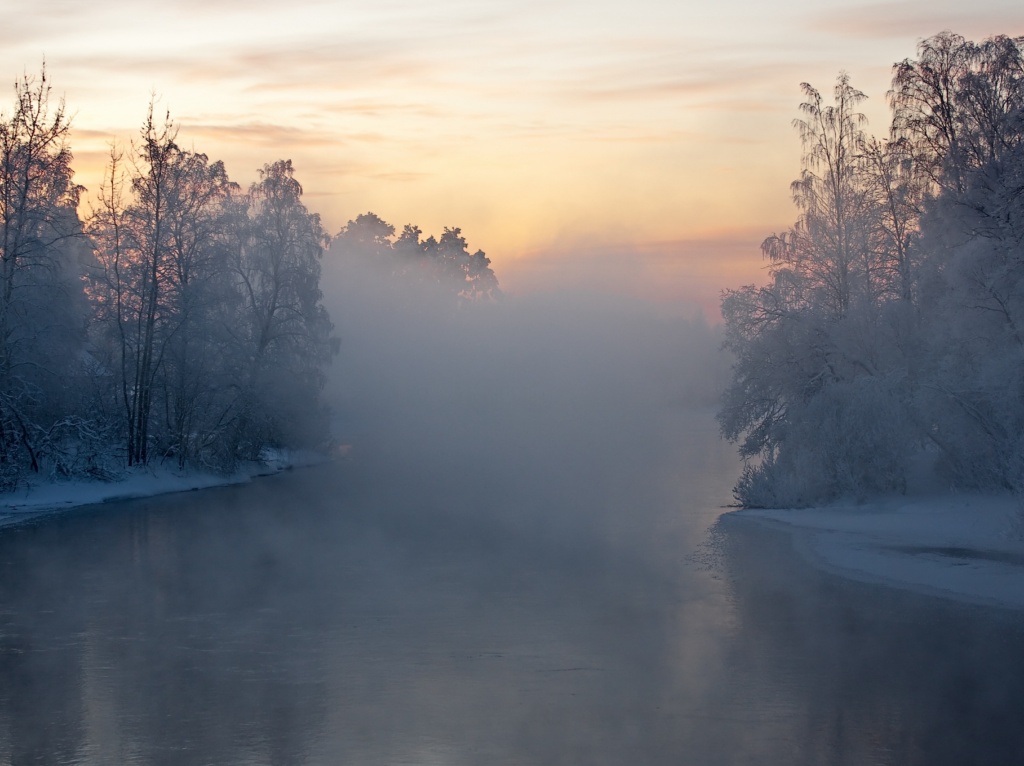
896	190
817	349
285	332
951	104
210	305
828	252
195	379
894	319
973	315
145	280
42	311
183	322
960	109
469	274
160	260
368	235
444	265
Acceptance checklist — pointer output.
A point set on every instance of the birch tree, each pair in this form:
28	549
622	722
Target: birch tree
816	349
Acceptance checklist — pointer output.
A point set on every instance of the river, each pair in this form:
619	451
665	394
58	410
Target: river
406	607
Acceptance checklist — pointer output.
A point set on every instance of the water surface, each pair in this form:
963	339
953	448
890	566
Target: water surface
564	606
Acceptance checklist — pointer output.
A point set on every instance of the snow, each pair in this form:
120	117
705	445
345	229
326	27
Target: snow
968	547
47	498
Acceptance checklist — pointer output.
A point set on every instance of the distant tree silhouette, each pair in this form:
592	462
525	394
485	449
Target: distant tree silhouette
445	263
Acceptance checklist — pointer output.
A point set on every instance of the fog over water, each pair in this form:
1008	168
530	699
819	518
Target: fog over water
519	563
557	390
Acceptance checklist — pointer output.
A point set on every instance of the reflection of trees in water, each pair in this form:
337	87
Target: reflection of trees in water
161	645
329	617
360	621
855	674
40	708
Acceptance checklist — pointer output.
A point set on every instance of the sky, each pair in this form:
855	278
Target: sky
641	147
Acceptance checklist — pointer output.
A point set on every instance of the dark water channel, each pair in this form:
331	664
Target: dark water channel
387	610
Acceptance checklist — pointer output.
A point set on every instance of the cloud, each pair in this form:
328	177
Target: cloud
401	177
257	133
680	80
92	135
359	106
917	19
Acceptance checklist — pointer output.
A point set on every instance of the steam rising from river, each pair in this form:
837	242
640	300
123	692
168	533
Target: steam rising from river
555	396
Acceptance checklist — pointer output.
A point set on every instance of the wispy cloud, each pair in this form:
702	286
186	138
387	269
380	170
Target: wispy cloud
258	133
401	177
682	82
522	121
920	18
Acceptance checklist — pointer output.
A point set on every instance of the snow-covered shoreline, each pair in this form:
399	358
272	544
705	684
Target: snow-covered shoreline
48	498
968	547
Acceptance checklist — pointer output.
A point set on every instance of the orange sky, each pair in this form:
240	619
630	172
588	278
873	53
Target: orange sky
643	147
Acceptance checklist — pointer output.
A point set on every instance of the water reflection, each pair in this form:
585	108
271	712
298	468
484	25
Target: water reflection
135	640
856	674
376	613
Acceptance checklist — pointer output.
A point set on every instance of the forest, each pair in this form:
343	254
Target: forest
890	333
181	320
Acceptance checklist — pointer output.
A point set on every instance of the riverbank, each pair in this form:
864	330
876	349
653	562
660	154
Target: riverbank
968	547
46	498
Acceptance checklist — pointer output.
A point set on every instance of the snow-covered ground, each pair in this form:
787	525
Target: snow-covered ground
146	481
964	546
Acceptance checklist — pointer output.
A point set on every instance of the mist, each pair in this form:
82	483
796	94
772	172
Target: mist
526	404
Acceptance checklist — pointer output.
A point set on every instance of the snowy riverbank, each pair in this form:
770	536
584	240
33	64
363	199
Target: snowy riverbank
969	547
47	498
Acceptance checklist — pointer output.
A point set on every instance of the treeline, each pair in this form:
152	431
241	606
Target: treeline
892	326
180	321
444	265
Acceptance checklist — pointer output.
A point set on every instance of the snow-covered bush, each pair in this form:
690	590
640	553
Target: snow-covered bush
853	438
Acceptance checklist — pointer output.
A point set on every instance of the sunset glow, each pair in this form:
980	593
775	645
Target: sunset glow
650	140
